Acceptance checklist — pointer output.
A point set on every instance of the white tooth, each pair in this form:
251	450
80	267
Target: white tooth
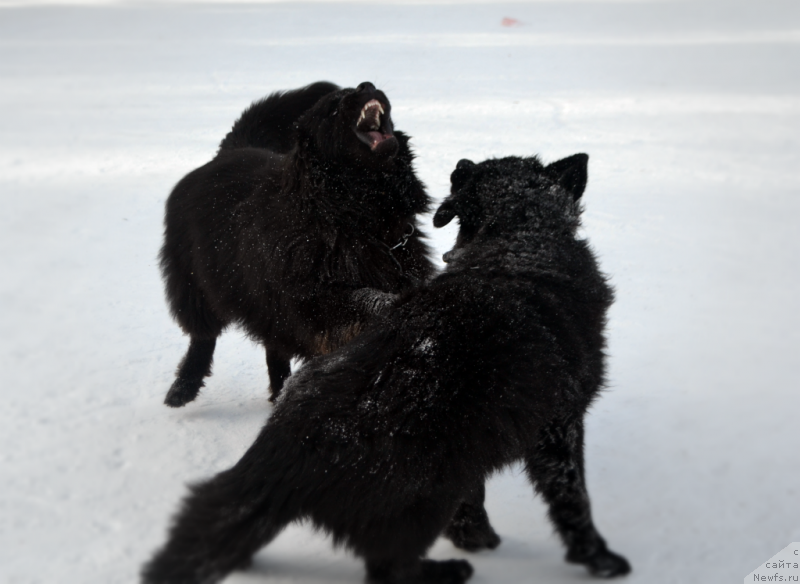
380	108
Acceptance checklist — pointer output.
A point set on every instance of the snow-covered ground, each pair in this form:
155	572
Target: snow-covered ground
690	112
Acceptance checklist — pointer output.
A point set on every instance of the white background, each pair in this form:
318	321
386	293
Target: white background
690	112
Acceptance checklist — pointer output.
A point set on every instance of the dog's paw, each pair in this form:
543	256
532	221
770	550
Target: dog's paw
424	572
472	537
602	564
445	572
182	392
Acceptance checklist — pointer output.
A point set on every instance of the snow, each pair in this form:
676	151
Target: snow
690	112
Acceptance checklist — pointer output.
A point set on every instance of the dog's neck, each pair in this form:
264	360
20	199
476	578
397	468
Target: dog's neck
518	253
374	198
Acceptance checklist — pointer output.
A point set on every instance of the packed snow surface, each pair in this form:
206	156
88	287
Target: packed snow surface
690	112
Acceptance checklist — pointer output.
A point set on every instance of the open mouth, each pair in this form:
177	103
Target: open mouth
373	126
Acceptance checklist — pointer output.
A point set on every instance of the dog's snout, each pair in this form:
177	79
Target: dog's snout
366	86
452	254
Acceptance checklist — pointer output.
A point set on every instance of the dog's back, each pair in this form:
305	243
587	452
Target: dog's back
267	123
466	371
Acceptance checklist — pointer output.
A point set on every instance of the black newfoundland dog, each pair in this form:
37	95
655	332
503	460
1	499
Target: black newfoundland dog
300	230
495	361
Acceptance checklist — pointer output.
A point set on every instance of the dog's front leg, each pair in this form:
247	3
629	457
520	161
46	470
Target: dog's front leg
341	305
373	301
279	367
555	467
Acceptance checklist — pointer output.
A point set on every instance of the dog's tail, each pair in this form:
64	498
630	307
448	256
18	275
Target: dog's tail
224	521
267	123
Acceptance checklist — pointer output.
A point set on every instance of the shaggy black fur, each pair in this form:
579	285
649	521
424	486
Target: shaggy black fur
495	361
300	230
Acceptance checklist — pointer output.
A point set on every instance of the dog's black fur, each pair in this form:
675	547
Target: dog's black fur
300	229
495	361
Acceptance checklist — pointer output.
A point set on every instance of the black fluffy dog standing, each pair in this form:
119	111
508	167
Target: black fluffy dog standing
300	229
496	360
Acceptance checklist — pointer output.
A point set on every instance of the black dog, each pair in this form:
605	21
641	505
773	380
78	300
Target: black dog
496	360
300	229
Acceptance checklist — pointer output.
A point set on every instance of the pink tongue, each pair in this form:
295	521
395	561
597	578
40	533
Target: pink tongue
375	137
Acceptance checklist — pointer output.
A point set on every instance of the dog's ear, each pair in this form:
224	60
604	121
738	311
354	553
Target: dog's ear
571	173
445	213
458	177
463	171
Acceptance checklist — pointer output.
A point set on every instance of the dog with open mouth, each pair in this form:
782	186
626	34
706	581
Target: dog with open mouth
300	229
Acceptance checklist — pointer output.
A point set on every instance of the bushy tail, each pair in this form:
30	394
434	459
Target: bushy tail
224	521
267	123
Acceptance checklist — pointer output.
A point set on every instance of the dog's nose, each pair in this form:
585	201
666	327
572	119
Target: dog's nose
366	86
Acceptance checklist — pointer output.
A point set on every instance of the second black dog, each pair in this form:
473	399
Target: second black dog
299	230
497	360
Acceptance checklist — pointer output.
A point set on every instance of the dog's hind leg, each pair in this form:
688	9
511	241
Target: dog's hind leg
279	368
194	366
470	528
555	467
191	309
